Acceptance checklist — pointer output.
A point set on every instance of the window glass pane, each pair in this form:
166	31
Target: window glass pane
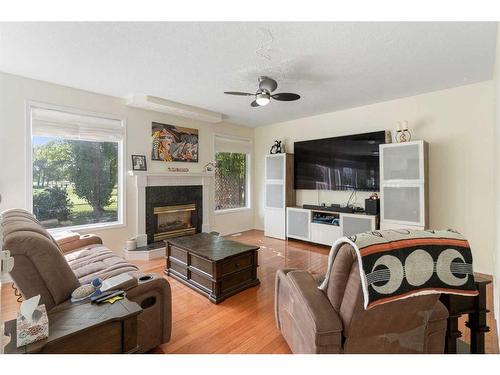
230	180
74	181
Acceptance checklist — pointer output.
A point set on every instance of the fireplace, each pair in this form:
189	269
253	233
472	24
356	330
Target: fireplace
173	221
173	211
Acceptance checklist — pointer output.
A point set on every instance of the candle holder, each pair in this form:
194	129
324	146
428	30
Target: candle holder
403	134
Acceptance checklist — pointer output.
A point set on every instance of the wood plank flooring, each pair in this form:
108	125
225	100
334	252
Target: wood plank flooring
244	323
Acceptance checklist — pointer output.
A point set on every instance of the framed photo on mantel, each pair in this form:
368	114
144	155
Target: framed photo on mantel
174	143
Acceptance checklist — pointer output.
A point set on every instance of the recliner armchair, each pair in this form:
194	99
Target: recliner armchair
53	270
313	321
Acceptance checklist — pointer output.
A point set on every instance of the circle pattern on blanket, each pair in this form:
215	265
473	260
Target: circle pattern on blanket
443	267
396	271
419	267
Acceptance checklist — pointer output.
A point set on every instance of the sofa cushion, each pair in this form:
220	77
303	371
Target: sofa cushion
98	261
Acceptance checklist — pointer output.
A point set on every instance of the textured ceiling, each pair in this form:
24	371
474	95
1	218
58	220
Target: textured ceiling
331	65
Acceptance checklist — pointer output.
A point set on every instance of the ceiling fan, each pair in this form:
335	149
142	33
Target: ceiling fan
263	95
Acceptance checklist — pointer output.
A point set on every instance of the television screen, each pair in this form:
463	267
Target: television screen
340	163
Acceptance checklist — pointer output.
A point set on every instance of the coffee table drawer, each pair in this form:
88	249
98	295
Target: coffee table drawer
178	253
236	264
178	268
201	264
236	280
200	280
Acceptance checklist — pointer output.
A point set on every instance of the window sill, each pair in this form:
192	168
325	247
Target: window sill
232	210
88	228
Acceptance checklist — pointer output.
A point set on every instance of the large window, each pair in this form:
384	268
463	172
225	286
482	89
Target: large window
76	168
231	173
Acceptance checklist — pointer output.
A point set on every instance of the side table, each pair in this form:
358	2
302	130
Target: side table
84	328
475	307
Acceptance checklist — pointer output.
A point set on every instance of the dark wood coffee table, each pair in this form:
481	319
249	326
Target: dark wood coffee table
84	328
212	265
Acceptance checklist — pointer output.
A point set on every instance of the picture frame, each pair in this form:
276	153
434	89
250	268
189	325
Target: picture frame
139	163
174	143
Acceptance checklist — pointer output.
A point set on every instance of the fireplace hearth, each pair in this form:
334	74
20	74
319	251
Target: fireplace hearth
173	211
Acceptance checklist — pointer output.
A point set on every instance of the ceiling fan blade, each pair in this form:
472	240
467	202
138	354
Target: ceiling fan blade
238	93
254	104
285	96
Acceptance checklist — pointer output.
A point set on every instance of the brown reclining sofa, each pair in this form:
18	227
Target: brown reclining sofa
54	269
335	321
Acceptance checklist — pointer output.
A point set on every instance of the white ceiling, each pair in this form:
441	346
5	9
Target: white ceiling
331	65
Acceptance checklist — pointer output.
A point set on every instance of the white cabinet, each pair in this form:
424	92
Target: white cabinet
278	193
403	185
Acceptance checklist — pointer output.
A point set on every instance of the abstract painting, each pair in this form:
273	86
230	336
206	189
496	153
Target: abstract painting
174	143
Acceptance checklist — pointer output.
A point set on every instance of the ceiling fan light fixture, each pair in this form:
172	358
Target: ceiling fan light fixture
263	95
262	98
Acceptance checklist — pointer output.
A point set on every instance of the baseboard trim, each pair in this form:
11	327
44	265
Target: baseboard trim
145	254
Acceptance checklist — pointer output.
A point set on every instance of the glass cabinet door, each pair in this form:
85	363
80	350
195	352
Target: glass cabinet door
352	224
275	167
275	196
298	223
403	204
402	162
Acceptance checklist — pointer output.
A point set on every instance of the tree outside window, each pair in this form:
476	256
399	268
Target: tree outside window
74	181
230	180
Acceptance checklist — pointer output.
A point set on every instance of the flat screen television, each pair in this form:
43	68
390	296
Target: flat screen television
339	163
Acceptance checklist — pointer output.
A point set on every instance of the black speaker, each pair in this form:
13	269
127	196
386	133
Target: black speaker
372	206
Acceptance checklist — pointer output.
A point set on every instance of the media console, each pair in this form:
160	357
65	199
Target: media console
324	226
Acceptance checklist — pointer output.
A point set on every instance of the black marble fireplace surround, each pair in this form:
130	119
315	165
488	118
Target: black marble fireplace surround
157	196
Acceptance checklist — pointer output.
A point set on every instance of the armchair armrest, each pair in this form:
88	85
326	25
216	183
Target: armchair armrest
304	314
76	241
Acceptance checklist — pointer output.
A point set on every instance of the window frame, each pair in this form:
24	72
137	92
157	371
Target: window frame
248	172
121	182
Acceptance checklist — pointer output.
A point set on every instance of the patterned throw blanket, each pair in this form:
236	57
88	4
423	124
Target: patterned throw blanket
397	264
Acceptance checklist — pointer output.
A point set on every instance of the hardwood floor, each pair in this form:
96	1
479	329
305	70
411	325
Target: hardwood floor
244	323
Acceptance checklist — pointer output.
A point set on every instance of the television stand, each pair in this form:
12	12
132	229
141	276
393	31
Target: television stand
325	225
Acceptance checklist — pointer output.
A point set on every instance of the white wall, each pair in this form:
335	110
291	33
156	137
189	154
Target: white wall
496	288
15	91
458	123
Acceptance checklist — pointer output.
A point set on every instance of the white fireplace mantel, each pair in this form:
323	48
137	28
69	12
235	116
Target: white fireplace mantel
170	174
144	179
